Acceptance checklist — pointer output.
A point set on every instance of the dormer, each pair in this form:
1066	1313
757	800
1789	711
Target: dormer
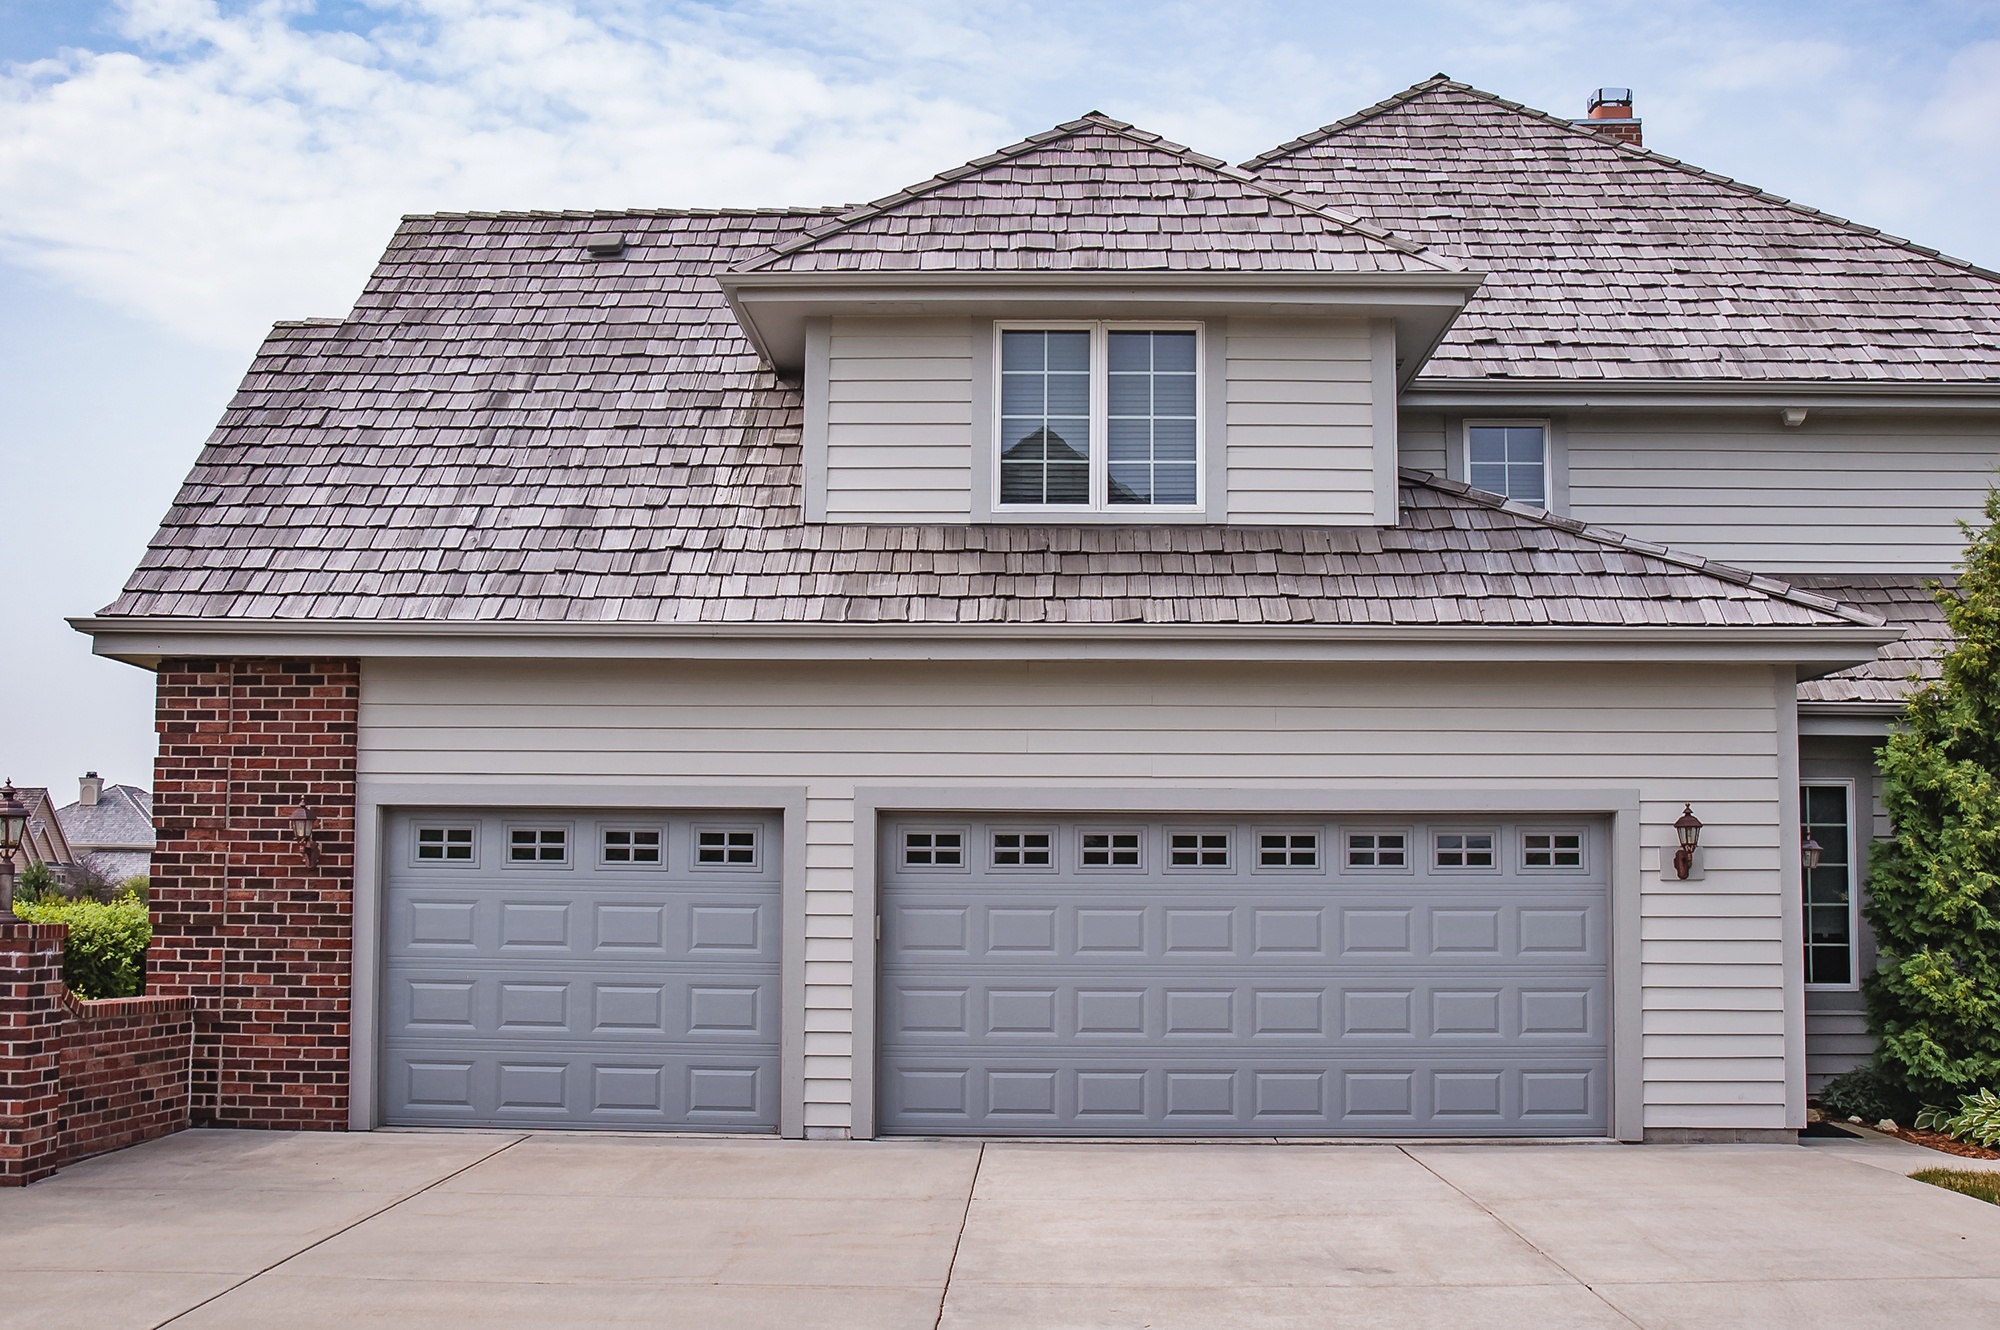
1096	325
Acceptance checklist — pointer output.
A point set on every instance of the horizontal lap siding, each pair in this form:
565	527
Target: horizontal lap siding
899	420
1832	494
1299	414
1711	960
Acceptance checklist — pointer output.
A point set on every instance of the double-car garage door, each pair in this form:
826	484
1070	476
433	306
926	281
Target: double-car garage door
1250	977
1038	976
613	970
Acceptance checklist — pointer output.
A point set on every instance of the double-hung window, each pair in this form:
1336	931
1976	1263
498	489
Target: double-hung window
1097	417
1509	457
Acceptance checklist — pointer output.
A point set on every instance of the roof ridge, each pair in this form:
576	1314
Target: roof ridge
595	214
1097	120
1600	535
1440	81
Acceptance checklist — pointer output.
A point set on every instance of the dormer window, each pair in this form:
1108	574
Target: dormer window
1509	457
1097	416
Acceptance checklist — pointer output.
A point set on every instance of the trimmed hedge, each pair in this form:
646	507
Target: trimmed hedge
105	956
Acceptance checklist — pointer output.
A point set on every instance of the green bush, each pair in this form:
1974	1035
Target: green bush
1977	1119
1934	887
1869	1095
105	956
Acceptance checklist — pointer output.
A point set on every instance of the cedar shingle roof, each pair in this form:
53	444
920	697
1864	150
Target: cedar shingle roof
1608	262
1902	600
1096	195
508	429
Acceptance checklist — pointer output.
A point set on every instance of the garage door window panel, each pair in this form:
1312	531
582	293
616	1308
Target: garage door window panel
1205	850
937	850
1553	851
454	846
1288	850
538	846
1113	849
728	848
1377	850
1022	850
1465	851
631	847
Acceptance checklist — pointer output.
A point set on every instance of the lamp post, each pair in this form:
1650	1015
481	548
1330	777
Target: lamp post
1688	828
13	826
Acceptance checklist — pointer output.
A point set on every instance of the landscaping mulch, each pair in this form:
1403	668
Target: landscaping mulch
1937	1140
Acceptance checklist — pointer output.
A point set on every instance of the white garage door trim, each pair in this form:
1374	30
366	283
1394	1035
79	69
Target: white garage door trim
377	800
1621	806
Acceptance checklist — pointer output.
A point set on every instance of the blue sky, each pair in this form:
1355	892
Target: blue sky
175	174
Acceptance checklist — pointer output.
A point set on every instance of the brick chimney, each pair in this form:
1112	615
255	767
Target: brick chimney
1610	114
90	789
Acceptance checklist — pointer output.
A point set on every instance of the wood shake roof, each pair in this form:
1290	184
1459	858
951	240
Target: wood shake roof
1095	194
1609	262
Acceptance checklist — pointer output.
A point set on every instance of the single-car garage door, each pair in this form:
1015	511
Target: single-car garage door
1182	976
614	970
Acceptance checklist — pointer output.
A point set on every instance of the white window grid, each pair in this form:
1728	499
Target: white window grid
726	847
539	844
1111	849
1554	850
1378	850
1200	850
1854	816
632	846
1465	849
1100	415
1548	449
934	849
450	845
1288	850
1021	849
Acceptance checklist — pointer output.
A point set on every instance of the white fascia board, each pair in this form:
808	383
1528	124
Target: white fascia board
1736	394
773	307
1812	650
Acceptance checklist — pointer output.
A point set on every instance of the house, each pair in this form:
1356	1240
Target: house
1099	643
42	840
109	829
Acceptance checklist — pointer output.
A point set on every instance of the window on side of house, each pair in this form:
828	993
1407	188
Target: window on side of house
1099	417
1829	888
1509	457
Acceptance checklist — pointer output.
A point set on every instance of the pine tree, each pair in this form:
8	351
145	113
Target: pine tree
1934	1001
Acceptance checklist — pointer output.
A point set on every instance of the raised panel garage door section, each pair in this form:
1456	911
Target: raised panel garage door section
598	970
1203	978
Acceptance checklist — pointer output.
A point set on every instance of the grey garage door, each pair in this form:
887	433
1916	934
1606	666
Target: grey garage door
1168	977
615	970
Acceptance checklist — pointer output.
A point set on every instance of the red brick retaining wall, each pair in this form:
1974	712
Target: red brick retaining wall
124	1073
79	1078
258	938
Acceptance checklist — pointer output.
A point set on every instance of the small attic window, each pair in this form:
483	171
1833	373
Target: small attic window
604	246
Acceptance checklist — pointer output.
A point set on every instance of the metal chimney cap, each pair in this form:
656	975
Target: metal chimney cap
1610	97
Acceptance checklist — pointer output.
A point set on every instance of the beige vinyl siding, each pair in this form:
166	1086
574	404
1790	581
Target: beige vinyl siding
1711	963
899	420
1865	494
1421	441
1300	421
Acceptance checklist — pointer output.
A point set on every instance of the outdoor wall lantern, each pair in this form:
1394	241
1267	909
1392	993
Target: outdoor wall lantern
1809	850
13	826
1688	827
302	822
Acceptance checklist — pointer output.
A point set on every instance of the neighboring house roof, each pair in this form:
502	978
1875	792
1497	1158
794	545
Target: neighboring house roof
116	866
1904	601
1609	262
121	819
43	842
1096	195
508	430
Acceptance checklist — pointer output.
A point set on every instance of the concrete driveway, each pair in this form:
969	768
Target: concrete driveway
213	1229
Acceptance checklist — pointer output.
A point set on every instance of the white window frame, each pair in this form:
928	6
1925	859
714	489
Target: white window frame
632	865
1853	984
509	862
419	825
1582	864
1547	428
1100	331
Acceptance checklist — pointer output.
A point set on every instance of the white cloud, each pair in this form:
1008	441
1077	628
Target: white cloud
242	167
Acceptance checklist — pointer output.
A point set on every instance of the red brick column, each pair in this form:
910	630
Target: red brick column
241	923
32	1019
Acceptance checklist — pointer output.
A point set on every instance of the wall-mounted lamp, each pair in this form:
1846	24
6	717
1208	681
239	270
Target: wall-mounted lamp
1688	827
1809	850
302	824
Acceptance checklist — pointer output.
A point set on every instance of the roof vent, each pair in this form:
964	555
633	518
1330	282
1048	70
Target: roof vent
604	246
1610	114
